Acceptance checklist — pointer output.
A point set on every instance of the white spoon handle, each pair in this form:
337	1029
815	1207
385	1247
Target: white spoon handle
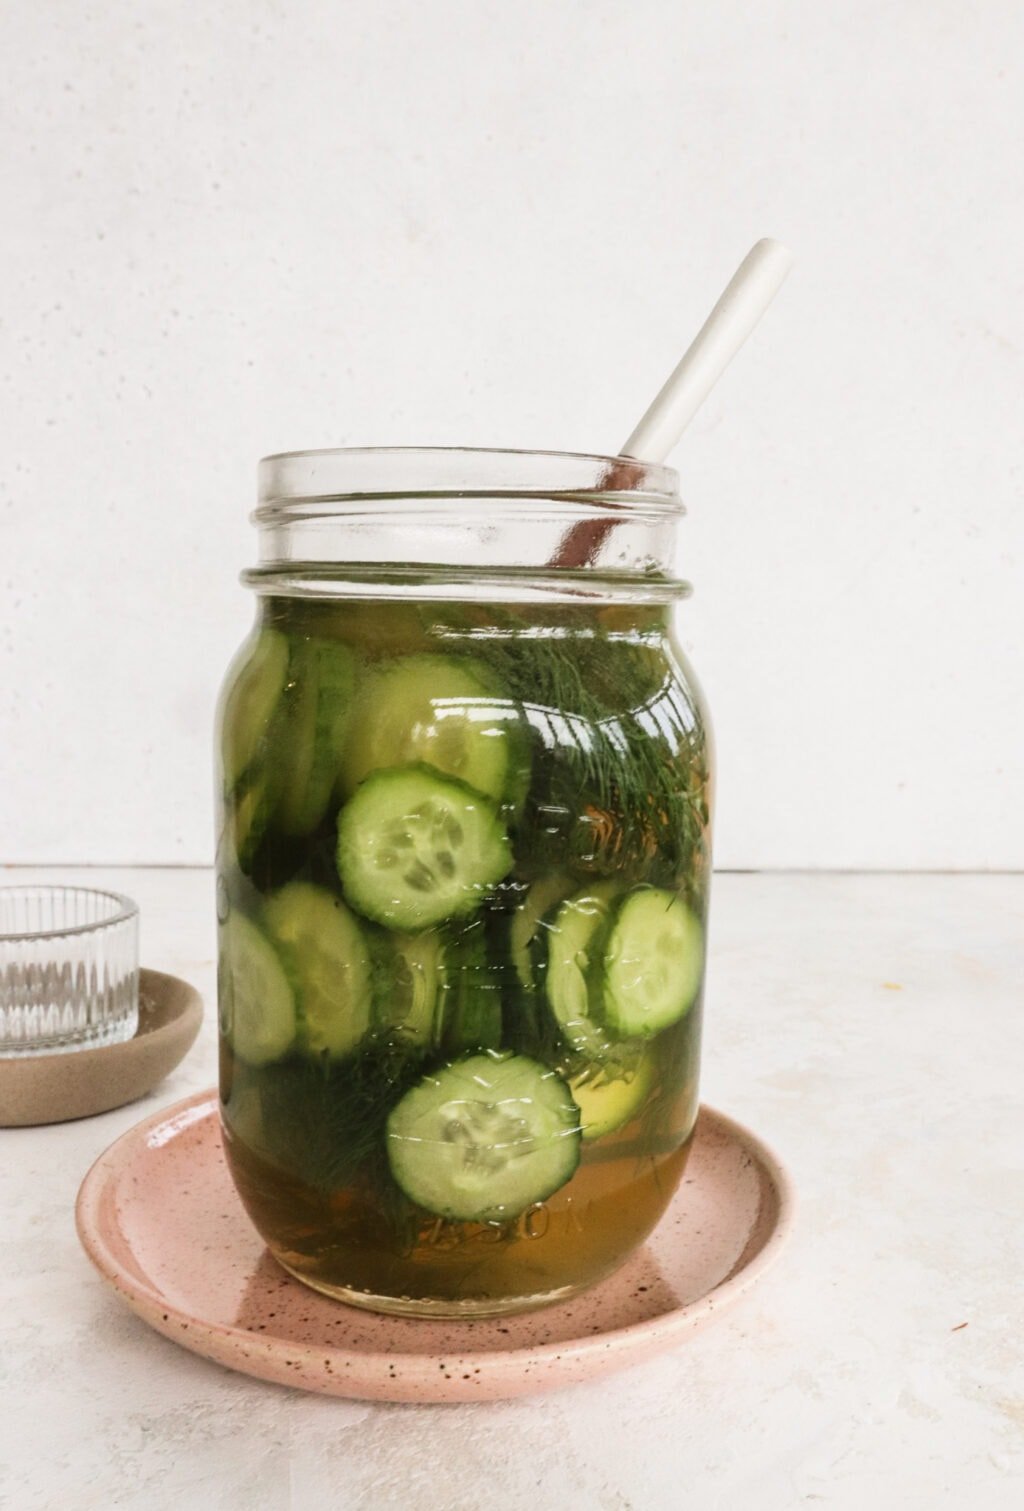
750	291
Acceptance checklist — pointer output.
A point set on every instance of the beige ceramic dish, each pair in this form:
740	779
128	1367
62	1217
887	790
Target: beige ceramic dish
160	1219
82	1082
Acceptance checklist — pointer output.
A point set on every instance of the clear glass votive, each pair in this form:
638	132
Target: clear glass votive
69	969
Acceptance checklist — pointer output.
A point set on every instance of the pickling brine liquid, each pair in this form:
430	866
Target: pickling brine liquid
462	884
359	1242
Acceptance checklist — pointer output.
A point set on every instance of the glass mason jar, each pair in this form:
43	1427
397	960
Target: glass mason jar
463	866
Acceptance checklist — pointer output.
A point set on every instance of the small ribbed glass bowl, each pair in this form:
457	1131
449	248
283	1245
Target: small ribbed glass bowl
69	969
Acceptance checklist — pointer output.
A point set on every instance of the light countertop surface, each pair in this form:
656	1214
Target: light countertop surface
870	1028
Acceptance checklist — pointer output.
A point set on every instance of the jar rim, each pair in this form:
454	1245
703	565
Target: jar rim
360	472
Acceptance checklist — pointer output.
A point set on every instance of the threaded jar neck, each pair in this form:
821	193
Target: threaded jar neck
436	522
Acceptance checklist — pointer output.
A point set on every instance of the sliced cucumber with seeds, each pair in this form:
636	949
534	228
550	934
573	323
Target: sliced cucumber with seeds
251	701
435	709
573	941
610	1100
257	1004
484	1138
325	952
322	680
415	848
653	964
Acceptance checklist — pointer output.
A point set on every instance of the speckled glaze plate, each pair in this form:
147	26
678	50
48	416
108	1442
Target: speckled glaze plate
160	1219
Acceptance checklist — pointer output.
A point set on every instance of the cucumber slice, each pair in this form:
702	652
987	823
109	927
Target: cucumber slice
415	848
575	937
247	813
608	1102
484	1138
253	693
243	1116
653	963
323	680
433	709
528	920
410	987
326	956
257	1005
471	1009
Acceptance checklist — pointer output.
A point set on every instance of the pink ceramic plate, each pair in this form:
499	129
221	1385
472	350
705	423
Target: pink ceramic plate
159	1218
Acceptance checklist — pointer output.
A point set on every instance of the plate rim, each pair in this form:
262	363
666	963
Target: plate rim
234	1347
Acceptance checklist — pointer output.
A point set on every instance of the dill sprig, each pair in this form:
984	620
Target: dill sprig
324	1121
619	764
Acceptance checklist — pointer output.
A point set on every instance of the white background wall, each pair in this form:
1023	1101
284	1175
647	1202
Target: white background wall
266	224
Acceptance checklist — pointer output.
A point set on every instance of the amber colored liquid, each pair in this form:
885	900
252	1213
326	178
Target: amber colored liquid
344	1243
613	785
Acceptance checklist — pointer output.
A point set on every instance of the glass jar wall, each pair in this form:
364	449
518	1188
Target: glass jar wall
463	865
